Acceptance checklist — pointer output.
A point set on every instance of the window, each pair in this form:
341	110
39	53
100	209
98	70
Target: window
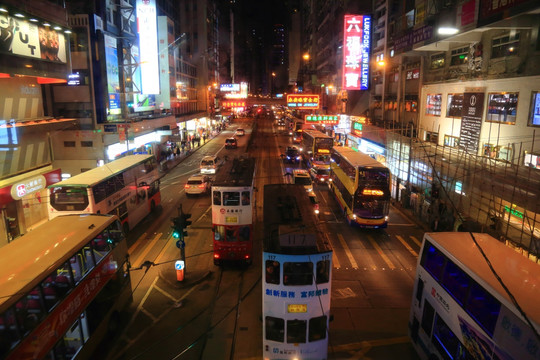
445	340
483	307
317	328
298	273
437	61
534	114
245	198
454	104
433	261
427	317
323	272
456	282
69	143
502	107
532	160
217	198
272	272
451	141
459	56
296	331
87	144
432	137
505	45
231	198
275	328
433	104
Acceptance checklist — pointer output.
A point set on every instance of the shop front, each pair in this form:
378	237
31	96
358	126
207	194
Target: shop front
23	202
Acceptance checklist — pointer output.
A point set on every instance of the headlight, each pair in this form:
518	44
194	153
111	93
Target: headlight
386	218
317	211
298	158
354	216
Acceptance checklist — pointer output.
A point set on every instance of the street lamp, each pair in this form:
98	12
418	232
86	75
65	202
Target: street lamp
272	84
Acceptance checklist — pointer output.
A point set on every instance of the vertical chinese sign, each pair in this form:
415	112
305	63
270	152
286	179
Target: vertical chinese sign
356	45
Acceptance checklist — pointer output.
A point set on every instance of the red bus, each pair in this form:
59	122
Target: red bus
232	211
62	287
127	187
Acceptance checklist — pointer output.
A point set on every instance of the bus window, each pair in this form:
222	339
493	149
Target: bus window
28	312
433	261
275	328
296	331
245	198
317	328
62	280
456	282
9	336
299	273
427	317
244	233
483	307
323	272
445	340
231	198
272	272
217	197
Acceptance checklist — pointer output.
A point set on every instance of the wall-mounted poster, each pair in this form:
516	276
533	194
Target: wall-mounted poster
454	104
471	121
534	115
502	107
433	104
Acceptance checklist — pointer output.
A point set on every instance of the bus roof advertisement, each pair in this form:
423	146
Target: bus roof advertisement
58	322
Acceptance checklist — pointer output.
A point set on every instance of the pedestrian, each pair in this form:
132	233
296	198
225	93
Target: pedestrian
177	151
193	142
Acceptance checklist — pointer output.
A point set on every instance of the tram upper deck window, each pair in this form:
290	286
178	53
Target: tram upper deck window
272	272
323	272
298	273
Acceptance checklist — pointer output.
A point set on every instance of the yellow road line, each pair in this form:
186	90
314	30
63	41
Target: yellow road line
137	243
146	251
416	241
407	246
347	251
381	252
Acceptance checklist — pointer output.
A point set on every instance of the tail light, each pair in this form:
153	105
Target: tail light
216	256
186	186
201	186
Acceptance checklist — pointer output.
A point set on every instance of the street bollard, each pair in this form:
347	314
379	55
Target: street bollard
179	266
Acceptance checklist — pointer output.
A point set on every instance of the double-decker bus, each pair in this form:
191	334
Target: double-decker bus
62	287
316	146
127	187
297	273
361	186
474	298
232	211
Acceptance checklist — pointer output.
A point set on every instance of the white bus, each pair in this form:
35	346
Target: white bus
127	187
460	309
62	288
297	273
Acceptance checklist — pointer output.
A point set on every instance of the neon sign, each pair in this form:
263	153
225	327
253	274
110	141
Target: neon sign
357	39
322	119
303	101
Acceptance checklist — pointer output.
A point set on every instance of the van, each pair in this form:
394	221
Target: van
209	164
302	177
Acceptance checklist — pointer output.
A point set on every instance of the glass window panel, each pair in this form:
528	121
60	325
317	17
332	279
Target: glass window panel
296	331
275	328
483	307
298	273
323	272
317	328
456	282
433	261
272	272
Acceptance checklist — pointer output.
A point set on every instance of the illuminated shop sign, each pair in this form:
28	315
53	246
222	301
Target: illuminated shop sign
357	125
322	119
236	91
303	101
21	37
229	87
28	186
232	104
74	79
147	29
356	45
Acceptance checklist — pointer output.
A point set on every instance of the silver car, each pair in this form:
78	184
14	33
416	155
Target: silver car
198	184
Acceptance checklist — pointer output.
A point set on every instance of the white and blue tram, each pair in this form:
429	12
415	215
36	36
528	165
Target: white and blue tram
297	273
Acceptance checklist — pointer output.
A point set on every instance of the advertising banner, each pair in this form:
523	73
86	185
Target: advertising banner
147	30
303	101
21	37
113	80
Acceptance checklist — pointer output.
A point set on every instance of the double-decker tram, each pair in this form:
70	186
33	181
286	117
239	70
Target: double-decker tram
361	186
127	187
297	273
474	298
62	287
232	211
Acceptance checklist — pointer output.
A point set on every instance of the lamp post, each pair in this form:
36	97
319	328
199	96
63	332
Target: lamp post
272	84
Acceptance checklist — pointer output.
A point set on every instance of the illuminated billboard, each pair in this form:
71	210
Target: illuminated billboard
303	101
229	87
322	119
235	91
23	38
113	80
356	45
147	30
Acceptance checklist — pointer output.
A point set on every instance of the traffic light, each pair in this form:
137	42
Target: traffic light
179	225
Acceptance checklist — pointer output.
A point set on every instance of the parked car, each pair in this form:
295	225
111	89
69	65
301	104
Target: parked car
210	164
240	132
292	155
198	184
231	143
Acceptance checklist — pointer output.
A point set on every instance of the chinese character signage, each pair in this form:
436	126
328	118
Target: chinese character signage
357	40
303	101
233	104
357	125
322	119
